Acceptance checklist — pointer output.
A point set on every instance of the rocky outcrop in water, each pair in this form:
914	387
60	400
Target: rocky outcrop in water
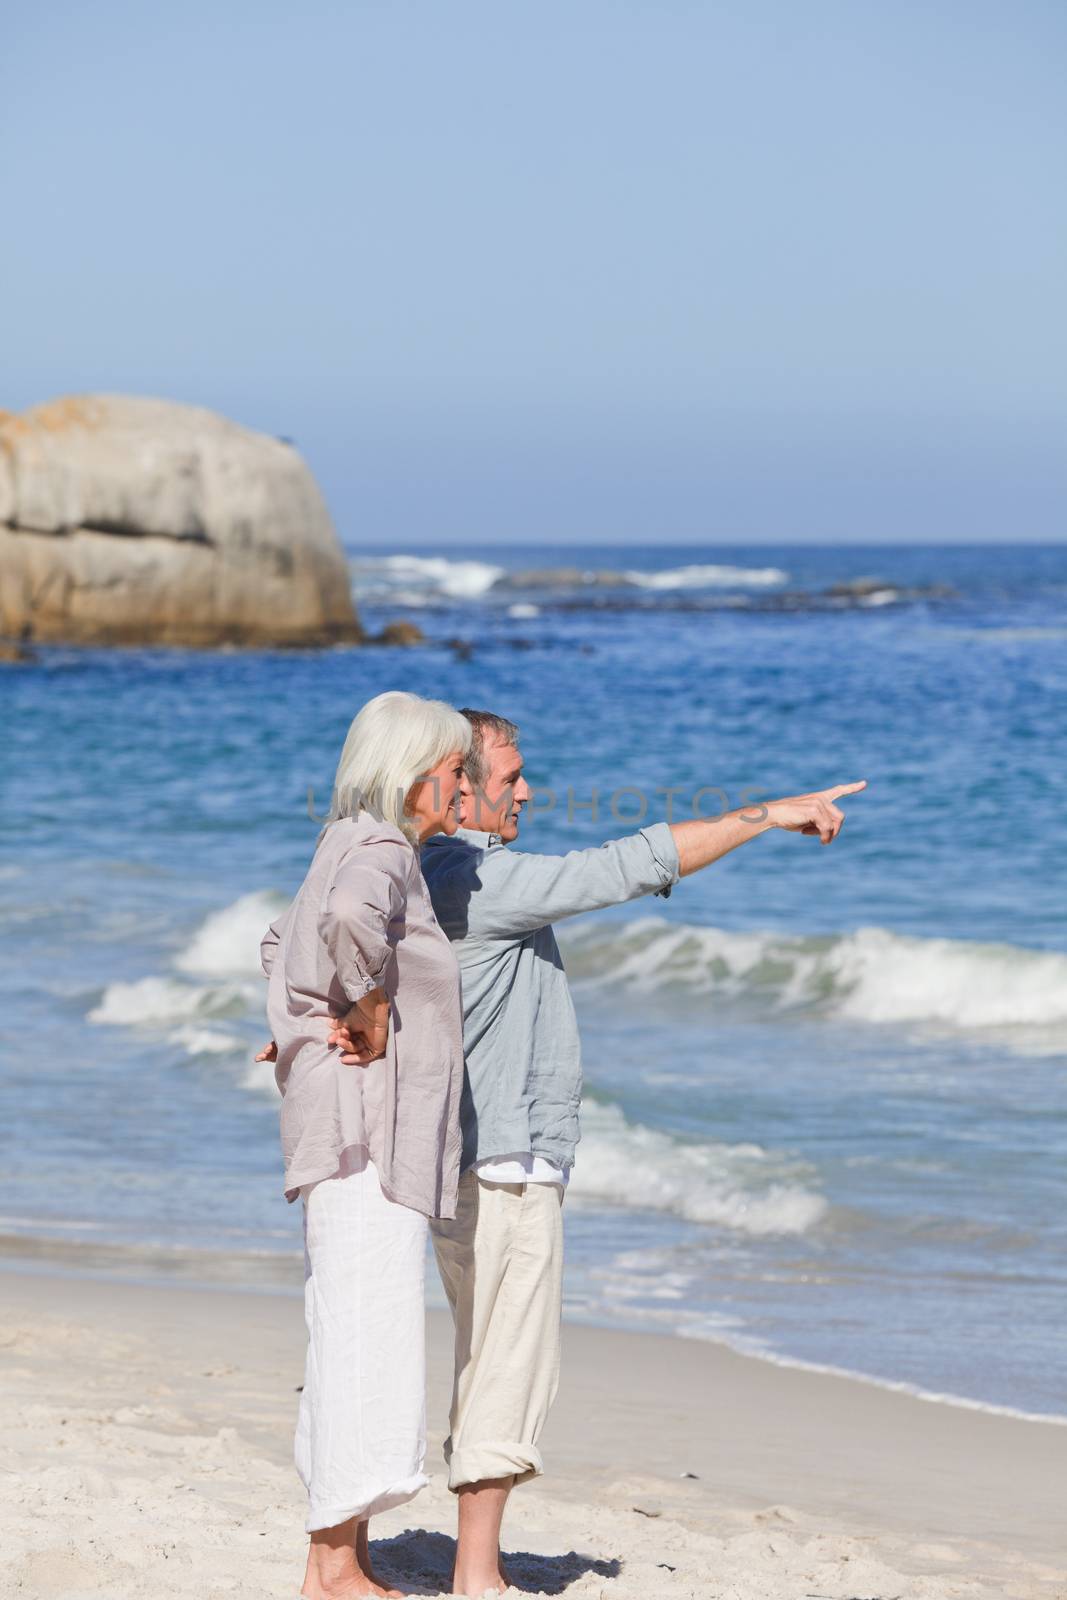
130	521
562	578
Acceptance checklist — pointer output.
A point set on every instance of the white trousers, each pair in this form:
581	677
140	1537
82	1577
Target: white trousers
361	1432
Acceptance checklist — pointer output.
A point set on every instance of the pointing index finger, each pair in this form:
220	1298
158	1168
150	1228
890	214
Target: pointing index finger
846	788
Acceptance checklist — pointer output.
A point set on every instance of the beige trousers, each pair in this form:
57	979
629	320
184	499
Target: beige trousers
501	1262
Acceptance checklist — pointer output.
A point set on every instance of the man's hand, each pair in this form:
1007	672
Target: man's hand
268	1054
363	1032
813	813
700	843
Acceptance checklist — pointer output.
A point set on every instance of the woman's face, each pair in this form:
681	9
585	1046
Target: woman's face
432	801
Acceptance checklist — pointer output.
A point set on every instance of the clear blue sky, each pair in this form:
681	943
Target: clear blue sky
591	269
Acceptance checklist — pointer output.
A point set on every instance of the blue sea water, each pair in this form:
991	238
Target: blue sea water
826	1117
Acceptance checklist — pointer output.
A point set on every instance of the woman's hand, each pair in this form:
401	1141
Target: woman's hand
363	1032
269	1054
812	813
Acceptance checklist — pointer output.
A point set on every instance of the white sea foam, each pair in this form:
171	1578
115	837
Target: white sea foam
887	977
409	579
522	610
459	580
160	1002
206	1041
741	1187
227	942
871	975
708	577
224	948
259	1079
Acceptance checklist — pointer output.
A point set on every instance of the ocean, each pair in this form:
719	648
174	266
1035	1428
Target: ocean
825	1117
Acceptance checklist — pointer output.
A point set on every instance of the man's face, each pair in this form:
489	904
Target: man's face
495	806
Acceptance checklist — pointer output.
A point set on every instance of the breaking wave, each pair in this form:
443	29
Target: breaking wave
521	593
871	975
160	1002
419	580
742	1187
422	576
227	943
216	976
707	577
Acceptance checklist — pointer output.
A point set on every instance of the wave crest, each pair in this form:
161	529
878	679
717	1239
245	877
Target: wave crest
227	942
223	954
870	975
422	575
741	1187
160	1002
714	576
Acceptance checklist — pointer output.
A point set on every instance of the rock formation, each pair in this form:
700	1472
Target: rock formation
133	521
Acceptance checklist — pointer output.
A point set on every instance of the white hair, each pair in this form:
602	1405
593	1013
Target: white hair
394	741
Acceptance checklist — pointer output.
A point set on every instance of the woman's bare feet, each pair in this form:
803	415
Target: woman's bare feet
339	1566
364	1559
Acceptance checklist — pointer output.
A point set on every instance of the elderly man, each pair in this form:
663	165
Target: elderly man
501	1259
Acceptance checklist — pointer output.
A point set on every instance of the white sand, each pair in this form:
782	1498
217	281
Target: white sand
146	1453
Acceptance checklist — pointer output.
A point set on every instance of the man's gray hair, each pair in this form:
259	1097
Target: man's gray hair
485	724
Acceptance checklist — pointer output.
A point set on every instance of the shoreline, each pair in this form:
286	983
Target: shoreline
42	1255
150	1433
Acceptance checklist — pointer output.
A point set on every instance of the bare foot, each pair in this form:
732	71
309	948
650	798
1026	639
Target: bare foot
378	1587
339	1567
363	1557
358	1587
474	1585
394	1594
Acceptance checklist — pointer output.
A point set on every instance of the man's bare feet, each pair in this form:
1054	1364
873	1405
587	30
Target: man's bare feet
479	1569
469	1583
474	1589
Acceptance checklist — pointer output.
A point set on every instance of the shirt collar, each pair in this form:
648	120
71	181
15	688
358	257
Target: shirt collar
474	836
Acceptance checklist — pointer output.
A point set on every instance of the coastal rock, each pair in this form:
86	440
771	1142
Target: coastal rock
399	633
858	586
14	652
127	521
875	591
563	578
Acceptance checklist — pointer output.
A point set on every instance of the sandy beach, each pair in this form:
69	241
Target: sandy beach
147	1436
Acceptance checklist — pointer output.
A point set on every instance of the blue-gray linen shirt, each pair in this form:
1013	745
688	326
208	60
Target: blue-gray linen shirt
523	1080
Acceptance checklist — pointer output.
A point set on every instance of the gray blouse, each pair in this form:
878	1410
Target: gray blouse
362	919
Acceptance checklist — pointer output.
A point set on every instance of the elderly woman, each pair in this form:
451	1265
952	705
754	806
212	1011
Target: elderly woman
372	1149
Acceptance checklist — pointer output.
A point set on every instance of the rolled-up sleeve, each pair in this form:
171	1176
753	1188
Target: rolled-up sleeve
521	891
368	893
